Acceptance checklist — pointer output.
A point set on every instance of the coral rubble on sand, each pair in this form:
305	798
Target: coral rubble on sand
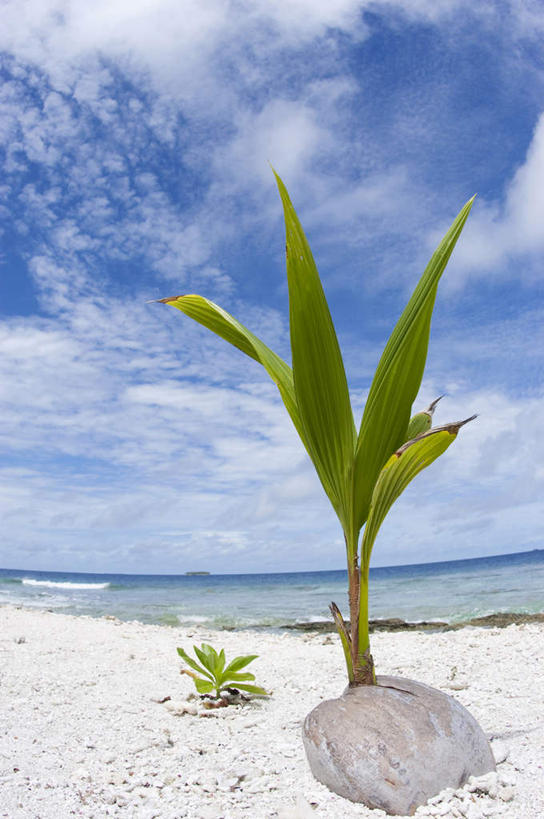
83	728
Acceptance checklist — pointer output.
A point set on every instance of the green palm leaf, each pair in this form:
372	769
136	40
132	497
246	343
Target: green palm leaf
220	663
204	686
237	676
217	320
401	468
240	662
252	689
206	657
398	377
318	371
214	318
193	664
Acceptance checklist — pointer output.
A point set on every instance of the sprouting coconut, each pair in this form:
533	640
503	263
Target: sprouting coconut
387	742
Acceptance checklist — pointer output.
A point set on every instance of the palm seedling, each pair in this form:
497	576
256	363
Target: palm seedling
362	472
213	674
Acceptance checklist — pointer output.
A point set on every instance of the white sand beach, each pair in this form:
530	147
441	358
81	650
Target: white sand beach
83	732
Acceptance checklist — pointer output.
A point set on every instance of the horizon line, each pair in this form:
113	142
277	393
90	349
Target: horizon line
298	571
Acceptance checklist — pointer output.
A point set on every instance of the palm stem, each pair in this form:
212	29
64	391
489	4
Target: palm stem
353	595
363	643
363	664
355	640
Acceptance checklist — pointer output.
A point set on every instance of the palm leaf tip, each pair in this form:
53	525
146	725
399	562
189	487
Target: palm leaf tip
458	424
453	428
432	406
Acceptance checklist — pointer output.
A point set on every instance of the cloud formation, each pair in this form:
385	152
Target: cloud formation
507	236
135	141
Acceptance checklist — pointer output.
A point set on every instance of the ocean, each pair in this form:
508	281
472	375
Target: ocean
451	591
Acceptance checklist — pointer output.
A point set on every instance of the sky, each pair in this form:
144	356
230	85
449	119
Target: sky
135	142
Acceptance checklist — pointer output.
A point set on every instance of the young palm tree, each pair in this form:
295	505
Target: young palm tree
363	472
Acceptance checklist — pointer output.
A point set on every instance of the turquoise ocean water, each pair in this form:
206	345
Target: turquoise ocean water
452	591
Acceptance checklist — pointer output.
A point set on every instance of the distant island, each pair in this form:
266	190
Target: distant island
192	574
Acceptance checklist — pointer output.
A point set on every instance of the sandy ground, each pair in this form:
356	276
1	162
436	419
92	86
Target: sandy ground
82	732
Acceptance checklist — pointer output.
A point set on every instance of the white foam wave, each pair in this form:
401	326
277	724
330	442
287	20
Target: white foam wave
312	618
55	584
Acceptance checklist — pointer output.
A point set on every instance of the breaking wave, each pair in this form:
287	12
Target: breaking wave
57	584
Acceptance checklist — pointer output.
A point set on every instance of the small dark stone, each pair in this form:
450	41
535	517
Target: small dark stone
499	620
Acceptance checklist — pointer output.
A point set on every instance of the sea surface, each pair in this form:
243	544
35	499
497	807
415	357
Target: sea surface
453	591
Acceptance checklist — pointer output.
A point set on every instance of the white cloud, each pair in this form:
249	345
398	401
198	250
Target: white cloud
109	445
132	434
90	206
98	385
105	444
207	65
178	40
283	132
52	34
497	234
525	198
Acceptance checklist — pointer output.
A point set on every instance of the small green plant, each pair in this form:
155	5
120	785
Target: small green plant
215	676
362	471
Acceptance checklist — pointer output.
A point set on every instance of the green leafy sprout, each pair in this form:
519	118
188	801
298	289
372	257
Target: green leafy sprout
215	676
362	471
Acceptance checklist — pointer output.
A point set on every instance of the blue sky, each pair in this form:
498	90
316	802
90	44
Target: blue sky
135	139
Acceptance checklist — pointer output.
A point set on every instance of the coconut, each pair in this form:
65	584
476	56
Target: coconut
394	745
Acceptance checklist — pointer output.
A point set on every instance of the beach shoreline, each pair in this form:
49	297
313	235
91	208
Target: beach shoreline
433	596
499	619
85	731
